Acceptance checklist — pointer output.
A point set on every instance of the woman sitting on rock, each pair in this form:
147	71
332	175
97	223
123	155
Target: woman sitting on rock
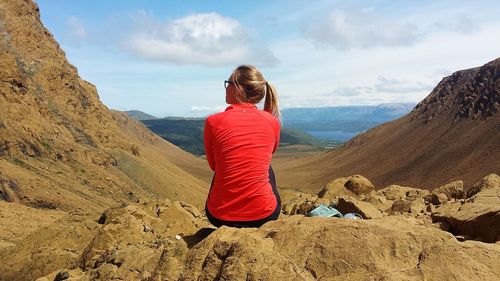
239	144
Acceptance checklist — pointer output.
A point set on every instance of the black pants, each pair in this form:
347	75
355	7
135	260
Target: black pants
256	223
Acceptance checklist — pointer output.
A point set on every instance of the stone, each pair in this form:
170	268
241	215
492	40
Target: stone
436	199
62	275
335	189
347	204
359	185
401	206
479	218
488	182
452	190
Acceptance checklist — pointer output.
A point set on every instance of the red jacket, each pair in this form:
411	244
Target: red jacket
239	144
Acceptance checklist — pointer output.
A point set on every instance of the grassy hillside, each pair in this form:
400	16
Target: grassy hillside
187	133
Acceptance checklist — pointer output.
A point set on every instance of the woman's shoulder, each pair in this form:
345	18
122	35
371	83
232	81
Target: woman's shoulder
270	118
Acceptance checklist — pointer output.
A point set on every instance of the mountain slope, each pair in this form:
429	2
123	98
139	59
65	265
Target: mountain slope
60	147
452	134
139	115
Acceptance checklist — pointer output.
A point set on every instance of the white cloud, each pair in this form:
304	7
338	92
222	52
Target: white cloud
203	39
347	29
76	28
460	24
206	108
386	85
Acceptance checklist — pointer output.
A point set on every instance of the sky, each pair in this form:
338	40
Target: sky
170	58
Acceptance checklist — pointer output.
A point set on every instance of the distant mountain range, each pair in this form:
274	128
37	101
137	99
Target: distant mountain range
139	115
343	118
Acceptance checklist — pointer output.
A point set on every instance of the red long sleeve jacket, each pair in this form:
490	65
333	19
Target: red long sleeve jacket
239	144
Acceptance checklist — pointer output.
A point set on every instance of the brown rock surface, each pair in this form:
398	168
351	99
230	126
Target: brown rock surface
335	188
300	248
359	185
133	236
478	217
490	181
347	204
452	190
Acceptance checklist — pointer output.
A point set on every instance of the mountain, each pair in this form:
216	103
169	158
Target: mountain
187	133
452	134
139	115
343	118
60	147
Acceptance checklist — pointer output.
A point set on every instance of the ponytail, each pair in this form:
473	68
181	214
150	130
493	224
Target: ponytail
271	101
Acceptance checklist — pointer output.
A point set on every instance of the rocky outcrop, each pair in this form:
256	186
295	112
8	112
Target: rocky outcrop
124	241
476	218
489	182
452	190
301	248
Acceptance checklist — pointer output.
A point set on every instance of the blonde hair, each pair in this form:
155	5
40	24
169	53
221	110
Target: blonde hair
252	88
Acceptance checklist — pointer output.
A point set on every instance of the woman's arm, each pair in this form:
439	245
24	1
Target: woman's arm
208	139
277	130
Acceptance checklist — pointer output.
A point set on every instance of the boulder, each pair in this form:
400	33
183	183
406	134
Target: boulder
401	206
359	185
396	192
301	248
478	217
294	202
452	190
488	182
347	204
436	198
335	189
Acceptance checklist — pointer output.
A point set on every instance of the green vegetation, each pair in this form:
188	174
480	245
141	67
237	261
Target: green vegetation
187	133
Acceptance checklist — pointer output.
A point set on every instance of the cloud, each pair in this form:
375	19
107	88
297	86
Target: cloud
201	39
197	109
386	85
349	91
383	90
460	24
349	29
76	28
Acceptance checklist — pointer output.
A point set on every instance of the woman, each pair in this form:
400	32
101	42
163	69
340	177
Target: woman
239	144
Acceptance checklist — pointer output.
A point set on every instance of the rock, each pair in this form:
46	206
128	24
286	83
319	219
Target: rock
335	189
299	203
336	249
379	201
62	275
452	190
359	185
396	192
442	225
488	182
401	206
437	199
478	217
347	204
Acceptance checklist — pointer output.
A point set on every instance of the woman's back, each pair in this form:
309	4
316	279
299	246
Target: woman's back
239	145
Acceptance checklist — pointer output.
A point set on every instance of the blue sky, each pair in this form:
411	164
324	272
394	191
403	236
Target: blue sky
170	58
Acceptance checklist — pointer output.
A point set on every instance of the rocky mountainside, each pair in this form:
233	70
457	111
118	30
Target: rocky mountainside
60	147
453	134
